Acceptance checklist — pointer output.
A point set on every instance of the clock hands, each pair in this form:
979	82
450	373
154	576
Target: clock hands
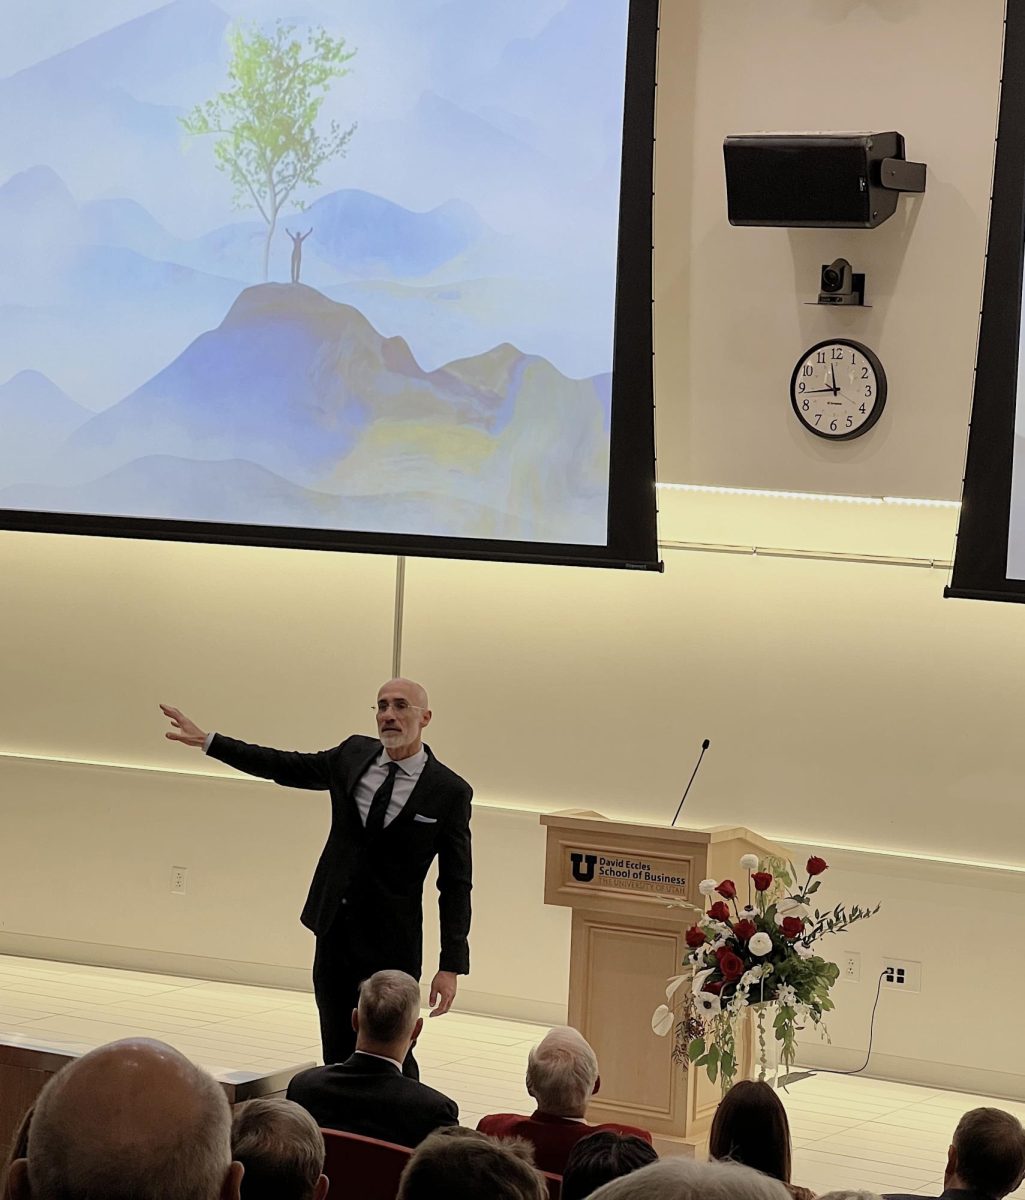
832	375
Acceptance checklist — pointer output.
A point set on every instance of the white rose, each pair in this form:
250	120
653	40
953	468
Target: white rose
707	887
760	945
749	862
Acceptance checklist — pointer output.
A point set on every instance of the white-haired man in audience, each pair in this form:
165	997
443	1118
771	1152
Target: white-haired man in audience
132	1120
282	1149
562	1076
685	1179
986	1158
368	1094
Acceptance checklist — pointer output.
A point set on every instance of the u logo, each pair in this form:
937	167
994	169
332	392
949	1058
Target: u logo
583	866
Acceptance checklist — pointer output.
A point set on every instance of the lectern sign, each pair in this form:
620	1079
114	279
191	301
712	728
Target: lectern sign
605	871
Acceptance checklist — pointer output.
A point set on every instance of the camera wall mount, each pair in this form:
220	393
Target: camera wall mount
839	284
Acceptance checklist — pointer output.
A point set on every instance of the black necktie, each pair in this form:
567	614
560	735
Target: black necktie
379	804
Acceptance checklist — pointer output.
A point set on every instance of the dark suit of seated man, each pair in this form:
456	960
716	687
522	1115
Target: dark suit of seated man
562	1075
986	1159
368	1093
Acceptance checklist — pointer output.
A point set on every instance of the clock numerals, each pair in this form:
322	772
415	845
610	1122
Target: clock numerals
838	389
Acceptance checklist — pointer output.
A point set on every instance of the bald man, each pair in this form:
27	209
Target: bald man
133	1120
394	807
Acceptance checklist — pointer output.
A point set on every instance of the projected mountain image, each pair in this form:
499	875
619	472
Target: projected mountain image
347	270
500	444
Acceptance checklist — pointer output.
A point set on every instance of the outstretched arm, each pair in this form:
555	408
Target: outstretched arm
189	732
287	767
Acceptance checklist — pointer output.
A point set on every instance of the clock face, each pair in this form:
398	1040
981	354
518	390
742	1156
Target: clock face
838	389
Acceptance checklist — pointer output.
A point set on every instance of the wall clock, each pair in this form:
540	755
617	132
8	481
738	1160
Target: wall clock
838	389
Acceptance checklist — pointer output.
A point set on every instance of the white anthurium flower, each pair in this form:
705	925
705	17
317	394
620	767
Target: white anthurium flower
789	907
760	945
749	862
707	887
674	984
662	1020
720	941
707	1004
699	980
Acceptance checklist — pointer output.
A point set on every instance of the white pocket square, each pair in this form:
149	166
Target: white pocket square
425	820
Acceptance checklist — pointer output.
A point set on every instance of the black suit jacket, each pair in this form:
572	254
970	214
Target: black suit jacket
370	1096
378	880
948	1194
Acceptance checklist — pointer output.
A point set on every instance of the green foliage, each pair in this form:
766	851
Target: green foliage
266	122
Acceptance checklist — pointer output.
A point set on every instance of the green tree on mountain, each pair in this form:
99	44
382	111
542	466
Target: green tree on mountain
266	122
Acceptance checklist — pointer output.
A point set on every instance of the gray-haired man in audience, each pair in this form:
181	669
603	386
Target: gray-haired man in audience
132	1120
368	1094
282	1149
986	1158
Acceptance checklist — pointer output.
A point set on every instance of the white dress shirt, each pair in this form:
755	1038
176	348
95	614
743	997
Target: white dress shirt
406	776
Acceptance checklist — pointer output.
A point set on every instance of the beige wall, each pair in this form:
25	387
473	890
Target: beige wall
848	704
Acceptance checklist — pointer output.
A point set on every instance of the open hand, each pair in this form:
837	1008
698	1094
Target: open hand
190	734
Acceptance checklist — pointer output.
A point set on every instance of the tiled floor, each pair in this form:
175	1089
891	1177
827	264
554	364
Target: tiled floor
848	1132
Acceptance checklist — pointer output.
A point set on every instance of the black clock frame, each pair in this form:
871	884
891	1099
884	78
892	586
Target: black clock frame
880	403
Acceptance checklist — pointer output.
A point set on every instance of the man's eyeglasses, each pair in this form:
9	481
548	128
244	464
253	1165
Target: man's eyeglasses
399	706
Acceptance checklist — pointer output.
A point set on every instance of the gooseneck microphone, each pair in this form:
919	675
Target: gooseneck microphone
704	747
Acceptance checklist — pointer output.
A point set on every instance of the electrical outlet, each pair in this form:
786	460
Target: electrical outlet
902	975
850	967
179	880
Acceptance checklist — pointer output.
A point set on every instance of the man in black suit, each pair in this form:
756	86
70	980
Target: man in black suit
368	1093
986	1159
393	808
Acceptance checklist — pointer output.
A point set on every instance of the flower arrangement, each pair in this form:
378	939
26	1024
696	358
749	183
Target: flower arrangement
753	955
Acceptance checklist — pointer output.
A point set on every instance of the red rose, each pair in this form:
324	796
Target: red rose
816	865
714	986
720	911
728	889
792	927
695	937
732	966
744	930
762	880
719	951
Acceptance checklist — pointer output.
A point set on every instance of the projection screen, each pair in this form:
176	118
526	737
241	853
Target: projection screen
372	276
989	560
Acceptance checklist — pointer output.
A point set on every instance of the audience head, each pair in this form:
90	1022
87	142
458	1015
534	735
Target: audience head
132	1120
282	1150
601	1157
387	1019
461	1164
750	1127
686	1179
987	1153
850	1195
562	1073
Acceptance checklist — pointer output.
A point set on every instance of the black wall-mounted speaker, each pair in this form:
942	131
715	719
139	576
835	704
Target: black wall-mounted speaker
823	180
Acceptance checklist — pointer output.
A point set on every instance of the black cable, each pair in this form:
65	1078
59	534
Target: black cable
871	1035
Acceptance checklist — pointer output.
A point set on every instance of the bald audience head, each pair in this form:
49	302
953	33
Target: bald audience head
133	1120
387	1018
562	1073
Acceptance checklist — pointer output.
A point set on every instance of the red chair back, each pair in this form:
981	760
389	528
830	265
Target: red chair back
554	1185
362	1167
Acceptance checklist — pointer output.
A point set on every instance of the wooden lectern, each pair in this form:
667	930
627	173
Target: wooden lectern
627	941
